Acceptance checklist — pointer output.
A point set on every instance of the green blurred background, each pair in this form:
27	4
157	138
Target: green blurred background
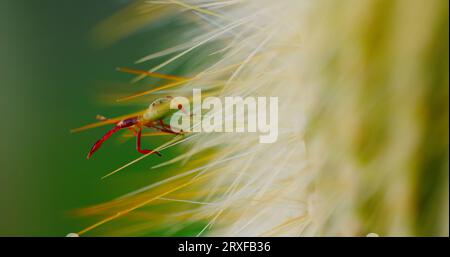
52	75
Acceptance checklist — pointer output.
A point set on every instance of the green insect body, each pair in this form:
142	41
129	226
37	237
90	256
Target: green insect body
153	117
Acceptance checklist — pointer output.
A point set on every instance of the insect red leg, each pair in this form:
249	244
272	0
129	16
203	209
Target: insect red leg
99	142
168	128
133	130
164	130
138	144
164	125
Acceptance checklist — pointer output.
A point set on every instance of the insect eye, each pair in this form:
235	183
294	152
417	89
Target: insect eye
180	106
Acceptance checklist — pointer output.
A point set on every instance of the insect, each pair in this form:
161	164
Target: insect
153	117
